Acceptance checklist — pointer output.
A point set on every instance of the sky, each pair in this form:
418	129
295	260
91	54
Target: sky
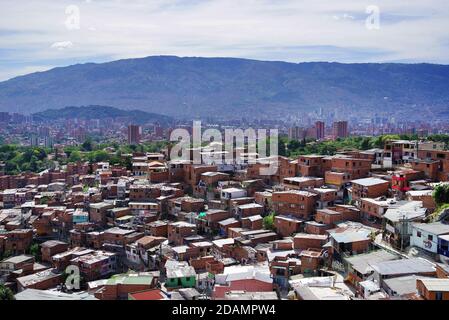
37	35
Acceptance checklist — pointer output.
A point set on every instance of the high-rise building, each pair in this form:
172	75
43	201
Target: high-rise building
340	129
134	134
34	141
4	117
320	130
48	142
44	132
158	131
296	133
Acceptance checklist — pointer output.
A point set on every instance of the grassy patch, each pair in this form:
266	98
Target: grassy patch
438	211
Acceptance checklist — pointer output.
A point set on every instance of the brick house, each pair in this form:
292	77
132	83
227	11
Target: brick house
300	204
208	221
15	263
264	198
328	216
185	204
312	165
430	168
356	168
287	225
304	241
98	212
252	222
310	260
96	265
249	209
246	278
158	228
325	197
42	280
314	227
226	224
337	179
52	247
302	183
350	238
177	231
433	289
121	285
17	241
400	180
372	210
283	168
368	188
423	195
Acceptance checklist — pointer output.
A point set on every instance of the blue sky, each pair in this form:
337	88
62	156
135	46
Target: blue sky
37	35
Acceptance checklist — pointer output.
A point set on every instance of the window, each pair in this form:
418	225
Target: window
438	295
430	237
418	234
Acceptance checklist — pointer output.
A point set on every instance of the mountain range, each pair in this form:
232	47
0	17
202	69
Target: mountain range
233	88
100	112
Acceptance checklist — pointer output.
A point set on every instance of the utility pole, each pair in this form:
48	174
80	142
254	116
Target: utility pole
417	149
404	230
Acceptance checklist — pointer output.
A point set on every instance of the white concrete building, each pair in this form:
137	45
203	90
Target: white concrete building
425	235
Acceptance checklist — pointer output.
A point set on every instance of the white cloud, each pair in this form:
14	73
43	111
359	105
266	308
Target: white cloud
62	45
292	30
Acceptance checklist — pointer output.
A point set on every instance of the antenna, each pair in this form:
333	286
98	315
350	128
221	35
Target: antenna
417	149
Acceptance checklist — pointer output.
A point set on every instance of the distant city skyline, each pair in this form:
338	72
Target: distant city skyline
40	35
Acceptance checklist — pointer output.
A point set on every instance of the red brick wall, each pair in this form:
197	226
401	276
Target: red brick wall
290	203
374	191
304	243
286	228
326	218
250	285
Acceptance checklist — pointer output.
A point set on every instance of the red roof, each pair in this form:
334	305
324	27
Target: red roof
154	294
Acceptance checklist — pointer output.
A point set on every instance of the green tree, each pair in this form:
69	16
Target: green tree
268	221
98	156
295	145
366	144
88	145
441	194
35	251
6	293
75	156
282	149
44	200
